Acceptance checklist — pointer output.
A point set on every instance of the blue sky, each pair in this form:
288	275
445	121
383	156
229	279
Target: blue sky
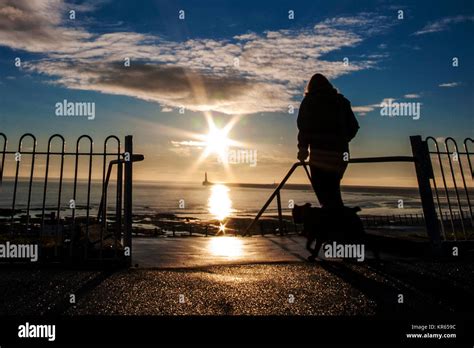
190	63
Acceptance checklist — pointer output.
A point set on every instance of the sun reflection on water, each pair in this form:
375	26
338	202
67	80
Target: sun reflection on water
220	204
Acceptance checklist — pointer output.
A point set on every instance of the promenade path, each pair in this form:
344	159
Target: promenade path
242	276
223	250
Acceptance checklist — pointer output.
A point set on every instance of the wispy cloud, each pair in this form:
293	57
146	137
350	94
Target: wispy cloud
412	96
449	84
249	73
187	143
443	24
364	109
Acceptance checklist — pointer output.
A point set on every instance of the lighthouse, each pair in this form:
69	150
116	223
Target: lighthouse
205	182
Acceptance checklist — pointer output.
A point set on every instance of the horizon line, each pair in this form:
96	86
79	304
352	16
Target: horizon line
95	180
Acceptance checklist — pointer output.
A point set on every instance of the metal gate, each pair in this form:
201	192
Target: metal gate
452	182
67	215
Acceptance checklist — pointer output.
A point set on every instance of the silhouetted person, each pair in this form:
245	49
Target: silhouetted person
326	125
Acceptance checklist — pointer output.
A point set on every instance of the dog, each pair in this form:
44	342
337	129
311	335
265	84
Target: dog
324	225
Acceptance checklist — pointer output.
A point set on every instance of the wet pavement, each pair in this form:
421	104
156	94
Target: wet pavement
277	289
206	251
241	276
223	250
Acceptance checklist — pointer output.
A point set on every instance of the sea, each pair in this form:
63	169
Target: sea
192	199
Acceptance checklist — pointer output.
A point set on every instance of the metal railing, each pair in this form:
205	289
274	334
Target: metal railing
276	193
68	233
456	210
433	222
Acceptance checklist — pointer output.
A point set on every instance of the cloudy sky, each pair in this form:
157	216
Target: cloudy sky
241	64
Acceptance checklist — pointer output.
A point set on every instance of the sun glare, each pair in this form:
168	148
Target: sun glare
217	142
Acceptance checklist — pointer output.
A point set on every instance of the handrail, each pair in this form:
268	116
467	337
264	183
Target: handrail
102	210
276	193
61	153
382	159
273	195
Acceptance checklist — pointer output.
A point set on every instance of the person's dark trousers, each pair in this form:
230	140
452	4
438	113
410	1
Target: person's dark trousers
327	169
327	186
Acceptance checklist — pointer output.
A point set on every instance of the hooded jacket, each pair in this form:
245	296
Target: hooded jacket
326	122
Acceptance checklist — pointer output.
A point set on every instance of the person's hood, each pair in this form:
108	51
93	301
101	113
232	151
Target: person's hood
325	93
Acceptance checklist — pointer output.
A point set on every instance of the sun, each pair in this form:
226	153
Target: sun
217	142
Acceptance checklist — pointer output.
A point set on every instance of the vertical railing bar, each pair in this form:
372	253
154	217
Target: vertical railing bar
45	187
466	191
20	146
440	161
120	197
89	182
128	208
458	198
30	185
15	186
76	168
104	192
118	203
107	180
57	239
61	174
2	165
469	155
280	218
438	202
74	198
104	199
